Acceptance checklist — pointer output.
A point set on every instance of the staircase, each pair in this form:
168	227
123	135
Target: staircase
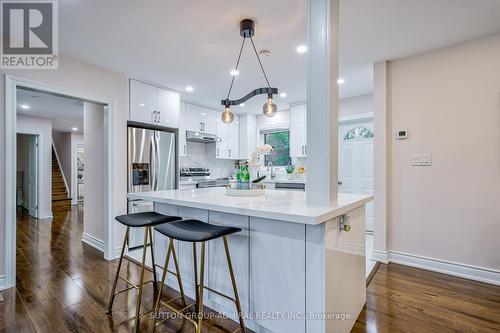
60	197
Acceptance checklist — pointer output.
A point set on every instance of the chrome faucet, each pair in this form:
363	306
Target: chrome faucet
270	166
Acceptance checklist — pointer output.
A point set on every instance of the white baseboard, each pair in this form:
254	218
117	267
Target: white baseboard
470	272
380	256
118	251
2	282
45	215
94	242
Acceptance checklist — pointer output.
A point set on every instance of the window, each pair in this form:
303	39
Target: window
359	133
281	144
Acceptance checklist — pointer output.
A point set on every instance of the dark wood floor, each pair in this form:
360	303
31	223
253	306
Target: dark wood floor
62	286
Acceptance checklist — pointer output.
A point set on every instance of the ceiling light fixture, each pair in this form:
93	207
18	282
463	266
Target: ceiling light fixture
24	106
247	30
301	49
242	104
189	89
74	129
340	81
283	95
234	72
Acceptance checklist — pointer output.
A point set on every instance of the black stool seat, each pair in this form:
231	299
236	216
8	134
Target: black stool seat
194	230
145	219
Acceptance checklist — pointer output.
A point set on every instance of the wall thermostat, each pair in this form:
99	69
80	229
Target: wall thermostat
402	134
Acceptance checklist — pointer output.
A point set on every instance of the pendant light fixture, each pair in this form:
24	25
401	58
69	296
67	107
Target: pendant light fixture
269	109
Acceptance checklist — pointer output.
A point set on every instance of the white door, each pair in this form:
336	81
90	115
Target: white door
298	130
168	107
182	130
33	176
234	138
221	147
142	102
356	162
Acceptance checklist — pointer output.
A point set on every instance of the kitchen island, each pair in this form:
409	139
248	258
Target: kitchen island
297	268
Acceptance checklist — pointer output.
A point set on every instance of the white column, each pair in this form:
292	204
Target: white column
322	102
381	128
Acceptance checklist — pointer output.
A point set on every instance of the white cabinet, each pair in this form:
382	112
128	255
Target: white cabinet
248	136
298	143
233	142
142	102
187	186
229	134
200	119
153	105
168	107
221	147
182	130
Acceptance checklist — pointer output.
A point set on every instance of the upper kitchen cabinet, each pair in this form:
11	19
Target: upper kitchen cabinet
298	143
153	105
247	135
182	130
200	119
228	146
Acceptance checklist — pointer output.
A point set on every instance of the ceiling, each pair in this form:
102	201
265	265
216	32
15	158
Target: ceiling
190	42
65	112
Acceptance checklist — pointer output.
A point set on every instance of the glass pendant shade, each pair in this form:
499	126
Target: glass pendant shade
227	116
269	109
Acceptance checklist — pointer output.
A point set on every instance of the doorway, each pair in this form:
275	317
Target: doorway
104	215
356	174
27	173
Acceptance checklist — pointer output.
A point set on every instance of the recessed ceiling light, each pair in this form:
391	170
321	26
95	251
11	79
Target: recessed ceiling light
340	81
74	129
203	114
24	106
234	72
189	88
283	95
142	104
301	49
242	104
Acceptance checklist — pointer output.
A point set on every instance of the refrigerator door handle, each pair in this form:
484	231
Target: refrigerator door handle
157	158
152	163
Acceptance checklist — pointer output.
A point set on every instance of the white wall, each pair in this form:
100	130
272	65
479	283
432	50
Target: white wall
356	105
43	126
62	143
449	101
93	127
76	139
77	75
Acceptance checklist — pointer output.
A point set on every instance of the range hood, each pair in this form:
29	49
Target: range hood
201	137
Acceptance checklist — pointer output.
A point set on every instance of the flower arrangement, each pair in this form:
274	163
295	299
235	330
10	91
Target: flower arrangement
257	153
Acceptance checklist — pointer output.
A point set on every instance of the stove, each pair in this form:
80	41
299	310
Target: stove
202	178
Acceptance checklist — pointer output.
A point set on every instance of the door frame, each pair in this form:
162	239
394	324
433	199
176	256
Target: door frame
39	136
11	85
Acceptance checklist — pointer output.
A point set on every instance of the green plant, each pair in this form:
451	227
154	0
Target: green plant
290	168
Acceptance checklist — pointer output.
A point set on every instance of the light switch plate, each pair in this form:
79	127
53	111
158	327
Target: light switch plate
422	160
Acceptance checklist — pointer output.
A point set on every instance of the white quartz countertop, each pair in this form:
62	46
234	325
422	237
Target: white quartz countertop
287	206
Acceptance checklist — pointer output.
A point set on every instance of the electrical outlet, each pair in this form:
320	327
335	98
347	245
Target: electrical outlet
422	160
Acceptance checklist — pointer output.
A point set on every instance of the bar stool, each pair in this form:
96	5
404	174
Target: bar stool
136	220
196	231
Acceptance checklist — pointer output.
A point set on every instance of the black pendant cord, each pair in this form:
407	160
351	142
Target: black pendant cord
260	63
236	68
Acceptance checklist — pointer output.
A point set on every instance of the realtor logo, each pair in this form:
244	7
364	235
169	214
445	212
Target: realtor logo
29	34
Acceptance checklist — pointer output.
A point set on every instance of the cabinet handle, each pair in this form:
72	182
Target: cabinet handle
159	116
302	150
203	126
305	149
229	152
217	152
153	117
184	149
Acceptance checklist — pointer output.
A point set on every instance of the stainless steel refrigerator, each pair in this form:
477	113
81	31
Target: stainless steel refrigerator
151	167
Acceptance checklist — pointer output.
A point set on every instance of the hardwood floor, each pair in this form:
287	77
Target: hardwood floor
406	299
63	285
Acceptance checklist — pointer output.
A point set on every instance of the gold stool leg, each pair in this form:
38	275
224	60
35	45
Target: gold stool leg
235	289
200	294
179	279
113	289
155	279
141	281
164	274
196	291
